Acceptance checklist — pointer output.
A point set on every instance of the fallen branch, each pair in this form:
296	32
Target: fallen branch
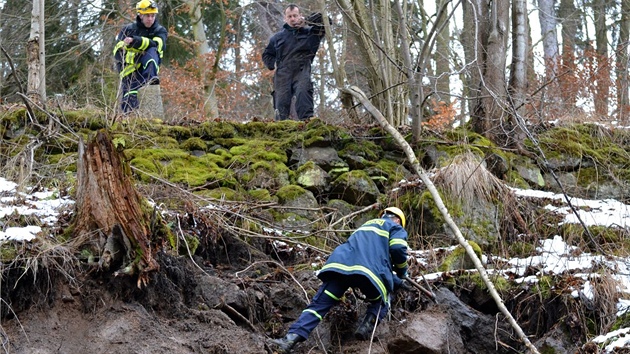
411	156
229	310
426	292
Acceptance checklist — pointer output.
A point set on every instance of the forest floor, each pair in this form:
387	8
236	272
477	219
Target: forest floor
106	314
97	318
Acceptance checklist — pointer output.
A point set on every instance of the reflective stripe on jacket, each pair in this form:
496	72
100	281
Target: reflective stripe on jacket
376	250
126	56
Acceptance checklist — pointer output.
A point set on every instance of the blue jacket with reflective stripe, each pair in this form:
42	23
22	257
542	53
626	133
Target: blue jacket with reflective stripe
374	250
143	38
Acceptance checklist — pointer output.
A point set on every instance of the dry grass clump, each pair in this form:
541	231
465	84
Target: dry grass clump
467	181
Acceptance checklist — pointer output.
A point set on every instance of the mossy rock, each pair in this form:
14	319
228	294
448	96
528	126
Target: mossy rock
219	157
355	187
193	144
360	154
318	133
265	174
387	173
215	130
258	150
292	221
223	193
145	168
288	130
312	177
459	259
194	173
297	200
261	195
179	133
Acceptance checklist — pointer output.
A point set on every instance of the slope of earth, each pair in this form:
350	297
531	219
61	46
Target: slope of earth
100	316
191	309
236	292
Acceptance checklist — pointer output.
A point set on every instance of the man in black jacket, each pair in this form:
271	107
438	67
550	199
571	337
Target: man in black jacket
291	52
138	53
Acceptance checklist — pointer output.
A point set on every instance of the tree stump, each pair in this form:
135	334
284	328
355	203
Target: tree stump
109	218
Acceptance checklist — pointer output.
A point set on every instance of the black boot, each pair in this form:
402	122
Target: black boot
364	331
288	342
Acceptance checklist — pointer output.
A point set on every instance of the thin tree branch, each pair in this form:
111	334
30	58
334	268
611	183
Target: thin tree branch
411	156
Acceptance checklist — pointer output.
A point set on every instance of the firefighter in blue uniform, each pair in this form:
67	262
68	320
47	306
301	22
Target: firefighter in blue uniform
291	52
138	53
374	259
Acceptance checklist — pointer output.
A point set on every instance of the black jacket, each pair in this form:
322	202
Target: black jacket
292	47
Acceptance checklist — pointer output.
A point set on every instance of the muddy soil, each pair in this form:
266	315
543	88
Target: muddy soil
232	298
104	314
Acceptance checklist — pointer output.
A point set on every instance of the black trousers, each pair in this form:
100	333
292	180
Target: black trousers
290	83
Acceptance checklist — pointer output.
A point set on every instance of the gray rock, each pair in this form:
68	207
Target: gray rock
531	174
325	157
356	188
313	178
150	98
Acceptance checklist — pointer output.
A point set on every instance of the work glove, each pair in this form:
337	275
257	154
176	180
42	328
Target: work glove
405	285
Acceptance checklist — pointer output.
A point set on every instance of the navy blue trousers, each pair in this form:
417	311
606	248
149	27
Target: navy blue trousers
149	67
329	295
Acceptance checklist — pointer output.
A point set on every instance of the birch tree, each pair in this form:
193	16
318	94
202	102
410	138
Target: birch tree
36	55
520	48
548	31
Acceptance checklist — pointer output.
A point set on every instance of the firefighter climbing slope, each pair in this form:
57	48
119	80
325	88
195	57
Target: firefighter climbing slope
374	259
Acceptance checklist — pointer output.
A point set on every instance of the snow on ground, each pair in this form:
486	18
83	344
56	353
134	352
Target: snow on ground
553	255
44	205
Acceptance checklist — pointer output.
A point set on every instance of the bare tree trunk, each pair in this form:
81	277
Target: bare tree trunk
520	46
36	55
413	77
371	25
602	76
202	48
238	34
109	215
489	112
514	135
548	24
443	58
337	60
621	69
416	87
474	39
322	84
570	20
